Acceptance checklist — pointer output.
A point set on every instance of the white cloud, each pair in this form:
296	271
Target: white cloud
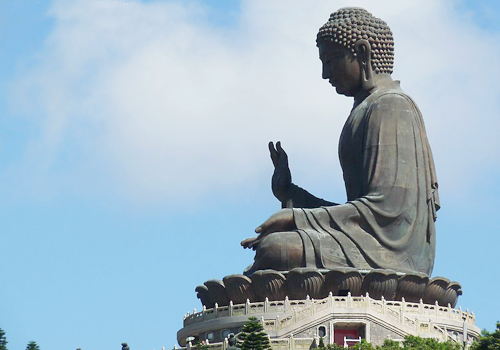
165	104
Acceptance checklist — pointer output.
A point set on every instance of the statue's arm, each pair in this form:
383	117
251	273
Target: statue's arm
289	194
300	198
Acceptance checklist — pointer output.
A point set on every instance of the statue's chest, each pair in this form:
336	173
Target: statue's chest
351	143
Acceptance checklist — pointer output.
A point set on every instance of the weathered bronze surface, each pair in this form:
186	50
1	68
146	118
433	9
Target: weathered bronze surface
302	283
391	185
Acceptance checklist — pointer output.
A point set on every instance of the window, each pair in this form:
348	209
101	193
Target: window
210	336
321	331
225	333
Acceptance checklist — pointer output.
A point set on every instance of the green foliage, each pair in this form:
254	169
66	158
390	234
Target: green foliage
410	343
416	343
333	346
200	346
32	346
252	336
363	345
3	340
389	344
488	341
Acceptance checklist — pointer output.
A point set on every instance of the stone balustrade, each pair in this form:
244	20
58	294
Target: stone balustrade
295	310
276	344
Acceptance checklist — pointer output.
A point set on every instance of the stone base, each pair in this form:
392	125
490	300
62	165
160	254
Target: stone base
295	324
302	282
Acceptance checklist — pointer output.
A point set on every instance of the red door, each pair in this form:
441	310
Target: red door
339	335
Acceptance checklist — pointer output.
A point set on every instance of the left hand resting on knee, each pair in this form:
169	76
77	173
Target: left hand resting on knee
278	222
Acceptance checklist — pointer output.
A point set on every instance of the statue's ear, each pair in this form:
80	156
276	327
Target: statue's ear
364	53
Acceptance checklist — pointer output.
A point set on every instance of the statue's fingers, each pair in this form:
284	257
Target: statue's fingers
283	157
273	152
254	244
247	242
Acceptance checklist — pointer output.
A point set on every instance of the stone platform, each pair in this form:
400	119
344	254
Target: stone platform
295	324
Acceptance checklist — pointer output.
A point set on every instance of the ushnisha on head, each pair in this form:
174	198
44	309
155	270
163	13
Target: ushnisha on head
351	24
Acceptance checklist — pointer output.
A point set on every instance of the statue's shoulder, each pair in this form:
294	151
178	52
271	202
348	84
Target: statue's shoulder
391	98
392	93
390	104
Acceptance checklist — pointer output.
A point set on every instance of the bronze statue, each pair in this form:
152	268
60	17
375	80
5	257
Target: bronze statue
391	185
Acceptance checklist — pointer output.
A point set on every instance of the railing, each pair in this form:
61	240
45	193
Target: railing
296	310
351	340
276	344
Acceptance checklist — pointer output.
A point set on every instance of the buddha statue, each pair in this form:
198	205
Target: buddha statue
388	169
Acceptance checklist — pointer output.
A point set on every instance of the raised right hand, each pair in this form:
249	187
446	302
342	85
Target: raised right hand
282	177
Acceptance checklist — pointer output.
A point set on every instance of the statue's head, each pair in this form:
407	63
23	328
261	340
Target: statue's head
353	46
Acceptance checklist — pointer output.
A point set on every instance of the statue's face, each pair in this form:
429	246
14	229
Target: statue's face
341	68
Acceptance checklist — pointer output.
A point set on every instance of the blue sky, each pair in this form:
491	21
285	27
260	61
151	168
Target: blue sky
133	152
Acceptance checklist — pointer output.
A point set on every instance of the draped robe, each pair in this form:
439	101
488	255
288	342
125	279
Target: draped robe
391	185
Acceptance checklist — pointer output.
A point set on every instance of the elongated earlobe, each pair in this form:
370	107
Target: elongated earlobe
363	51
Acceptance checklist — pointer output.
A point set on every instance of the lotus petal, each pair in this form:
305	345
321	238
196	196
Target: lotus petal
453	290
304	281
268	284
412	287
238	288
342	281
435	290
380	283
217	292
202	294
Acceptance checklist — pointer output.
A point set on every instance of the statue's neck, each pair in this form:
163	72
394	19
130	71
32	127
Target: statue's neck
383	81
379	82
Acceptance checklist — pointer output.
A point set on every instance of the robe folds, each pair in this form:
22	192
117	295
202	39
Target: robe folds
391	185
